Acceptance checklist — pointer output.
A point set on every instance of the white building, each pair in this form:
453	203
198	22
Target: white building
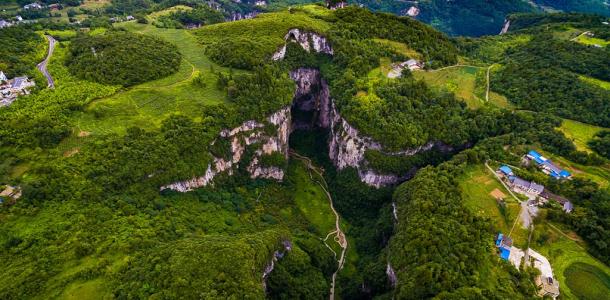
4	23
32	6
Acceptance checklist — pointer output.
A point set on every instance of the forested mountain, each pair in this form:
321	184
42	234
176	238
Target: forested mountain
305	153
481	17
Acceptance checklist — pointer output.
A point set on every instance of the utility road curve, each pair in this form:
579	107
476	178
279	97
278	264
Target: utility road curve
42	67
338	233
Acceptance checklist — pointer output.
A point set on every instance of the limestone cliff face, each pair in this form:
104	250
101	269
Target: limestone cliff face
307	40
347	147
248	133
346	144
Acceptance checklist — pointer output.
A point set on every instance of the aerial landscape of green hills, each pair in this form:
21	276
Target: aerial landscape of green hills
191	149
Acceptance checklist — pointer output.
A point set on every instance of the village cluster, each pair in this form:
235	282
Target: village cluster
536	195
10	89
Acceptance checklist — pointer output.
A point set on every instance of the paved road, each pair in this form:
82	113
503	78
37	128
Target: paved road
42	67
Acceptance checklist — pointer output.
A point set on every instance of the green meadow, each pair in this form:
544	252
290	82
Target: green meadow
147	104
477	185
459	80
580	275
579	133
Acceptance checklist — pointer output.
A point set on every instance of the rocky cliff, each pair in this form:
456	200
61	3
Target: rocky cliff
312	108
249	133
307	40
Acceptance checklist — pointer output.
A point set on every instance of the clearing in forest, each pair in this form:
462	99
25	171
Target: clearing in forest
579	133
480	191
147	104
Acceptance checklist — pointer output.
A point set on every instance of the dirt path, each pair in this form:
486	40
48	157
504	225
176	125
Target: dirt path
339	236
487	88
42	67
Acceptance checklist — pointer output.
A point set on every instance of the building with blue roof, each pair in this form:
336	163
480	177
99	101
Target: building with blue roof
548	166
506	170
504	244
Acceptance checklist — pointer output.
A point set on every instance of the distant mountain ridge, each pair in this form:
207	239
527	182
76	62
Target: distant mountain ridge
480	17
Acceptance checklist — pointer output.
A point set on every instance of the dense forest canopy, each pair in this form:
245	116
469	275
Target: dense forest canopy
122	58
21	48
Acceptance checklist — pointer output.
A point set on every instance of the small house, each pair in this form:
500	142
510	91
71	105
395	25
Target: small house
535	156
506	171
504	243
130	18
547	286
4	23
32	6
411	64
11	192
20	84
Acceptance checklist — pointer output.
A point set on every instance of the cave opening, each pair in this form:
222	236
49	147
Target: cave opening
311	112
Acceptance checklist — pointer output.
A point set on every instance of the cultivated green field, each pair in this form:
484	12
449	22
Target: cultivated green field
580	275
579	133
147	104
460	80
400	48
477	185
592	41
587	282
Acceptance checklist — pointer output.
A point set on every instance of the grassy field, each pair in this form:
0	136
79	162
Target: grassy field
147	104
155	15
597	82
400	48
587	40
477	185
587	282
462	81
95	4
580	275
311	200
381	72
579	133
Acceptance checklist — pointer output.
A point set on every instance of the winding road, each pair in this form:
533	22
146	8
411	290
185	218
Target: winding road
339	236
42	67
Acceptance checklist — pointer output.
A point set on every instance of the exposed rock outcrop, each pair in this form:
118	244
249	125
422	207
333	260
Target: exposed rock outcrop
391	275
347	145
311	95
248	133
277	255
307	40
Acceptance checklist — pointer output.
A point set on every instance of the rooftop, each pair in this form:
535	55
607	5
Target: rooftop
506	170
